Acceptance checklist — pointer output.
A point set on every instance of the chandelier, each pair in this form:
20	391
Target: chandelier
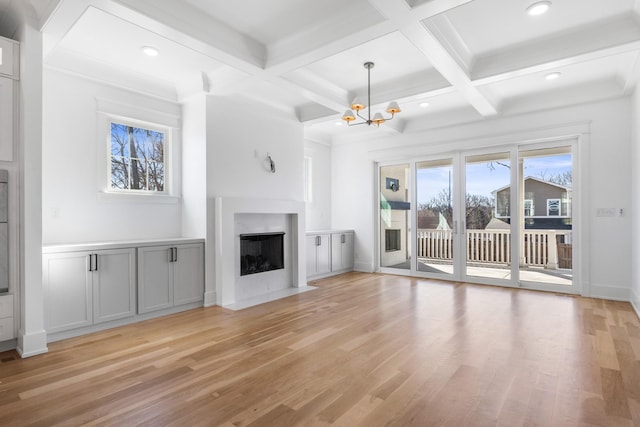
358	106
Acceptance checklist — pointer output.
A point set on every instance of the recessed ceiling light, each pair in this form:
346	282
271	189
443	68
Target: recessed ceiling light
552	76
423	104
538	8
150	51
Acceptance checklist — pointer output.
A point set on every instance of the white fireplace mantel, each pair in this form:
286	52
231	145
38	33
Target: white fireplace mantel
225	234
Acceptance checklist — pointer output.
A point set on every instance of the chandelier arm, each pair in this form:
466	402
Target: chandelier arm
369	92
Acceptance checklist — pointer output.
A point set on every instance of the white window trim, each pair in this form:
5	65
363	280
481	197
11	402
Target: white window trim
111	111
532	208
308	179
559	208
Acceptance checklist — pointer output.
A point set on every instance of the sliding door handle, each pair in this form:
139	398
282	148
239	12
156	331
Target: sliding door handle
90	258
96	264
175	254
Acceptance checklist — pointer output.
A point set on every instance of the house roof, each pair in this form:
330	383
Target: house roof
469	60
533	178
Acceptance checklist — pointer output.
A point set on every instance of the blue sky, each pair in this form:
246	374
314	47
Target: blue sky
482	179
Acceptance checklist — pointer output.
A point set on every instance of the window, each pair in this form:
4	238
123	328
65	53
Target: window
137	161
308	180
529	207
392	240
553	207
502	203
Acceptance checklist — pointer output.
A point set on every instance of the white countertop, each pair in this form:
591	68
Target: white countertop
328	231
89	246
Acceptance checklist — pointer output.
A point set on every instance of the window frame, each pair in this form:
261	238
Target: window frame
166	149
532	207
308	179
558	201
167	119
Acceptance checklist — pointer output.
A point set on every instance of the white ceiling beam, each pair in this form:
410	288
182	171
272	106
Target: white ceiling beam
417	33
317	93
631	81
435	7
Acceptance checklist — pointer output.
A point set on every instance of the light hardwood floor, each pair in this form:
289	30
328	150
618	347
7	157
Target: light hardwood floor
363	349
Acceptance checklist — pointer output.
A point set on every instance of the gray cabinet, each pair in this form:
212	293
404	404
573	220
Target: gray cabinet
318	254
329	253
7	106
113	280
342	251
170	275
88	287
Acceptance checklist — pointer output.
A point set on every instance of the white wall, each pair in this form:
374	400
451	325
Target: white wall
73	207
606	162
318	211
240	134
194	163
635	209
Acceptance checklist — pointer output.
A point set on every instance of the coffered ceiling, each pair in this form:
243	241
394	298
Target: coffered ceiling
467	59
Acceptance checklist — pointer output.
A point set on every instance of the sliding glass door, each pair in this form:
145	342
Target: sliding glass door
435	240
502	216
395	217
546	225
487	238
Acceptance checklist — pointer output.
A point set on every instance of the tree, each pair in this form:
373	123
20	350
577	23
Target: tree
478	211
561	178
137	158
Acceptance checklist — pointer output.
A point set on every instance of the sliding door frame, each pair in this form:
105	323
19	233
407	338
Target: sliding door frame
458	158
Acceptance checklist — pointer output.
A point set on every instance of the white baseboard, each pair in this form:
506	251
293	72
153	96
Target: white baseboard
210	298
31	344
363	267
610	292
635	301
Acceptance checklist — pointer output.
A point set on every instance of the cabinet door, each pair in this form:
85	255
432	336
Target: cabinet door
113	284
324	254
312	255
67	291
342	251
188	274
155	281
348	251
336	252
6	119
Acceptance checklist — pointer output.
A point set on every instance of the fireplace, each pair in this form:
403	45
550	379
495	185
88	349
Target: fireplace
260	252
236	217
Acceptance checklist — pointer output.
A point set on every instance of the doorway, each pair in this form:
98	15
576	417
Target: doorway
499	216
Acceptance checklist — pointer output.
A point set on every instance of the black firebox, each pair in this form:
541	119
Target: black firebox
260	252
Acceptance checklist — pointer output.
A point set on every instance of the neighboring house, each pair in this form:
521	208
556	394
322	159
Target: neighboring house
546	204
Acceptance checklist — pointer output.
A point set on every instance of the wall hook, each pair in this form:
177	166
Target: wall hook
272	164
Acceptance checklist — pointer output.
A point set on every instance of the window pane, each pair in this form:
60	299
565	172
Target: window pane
138	175
119	173
137	158
156	176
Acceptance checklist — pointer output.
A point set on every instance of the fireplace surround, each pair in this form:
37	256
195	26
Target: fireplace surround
235	216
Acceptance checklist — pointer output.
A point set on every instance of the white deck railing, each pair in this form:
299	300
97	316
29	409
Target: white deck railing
492	246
